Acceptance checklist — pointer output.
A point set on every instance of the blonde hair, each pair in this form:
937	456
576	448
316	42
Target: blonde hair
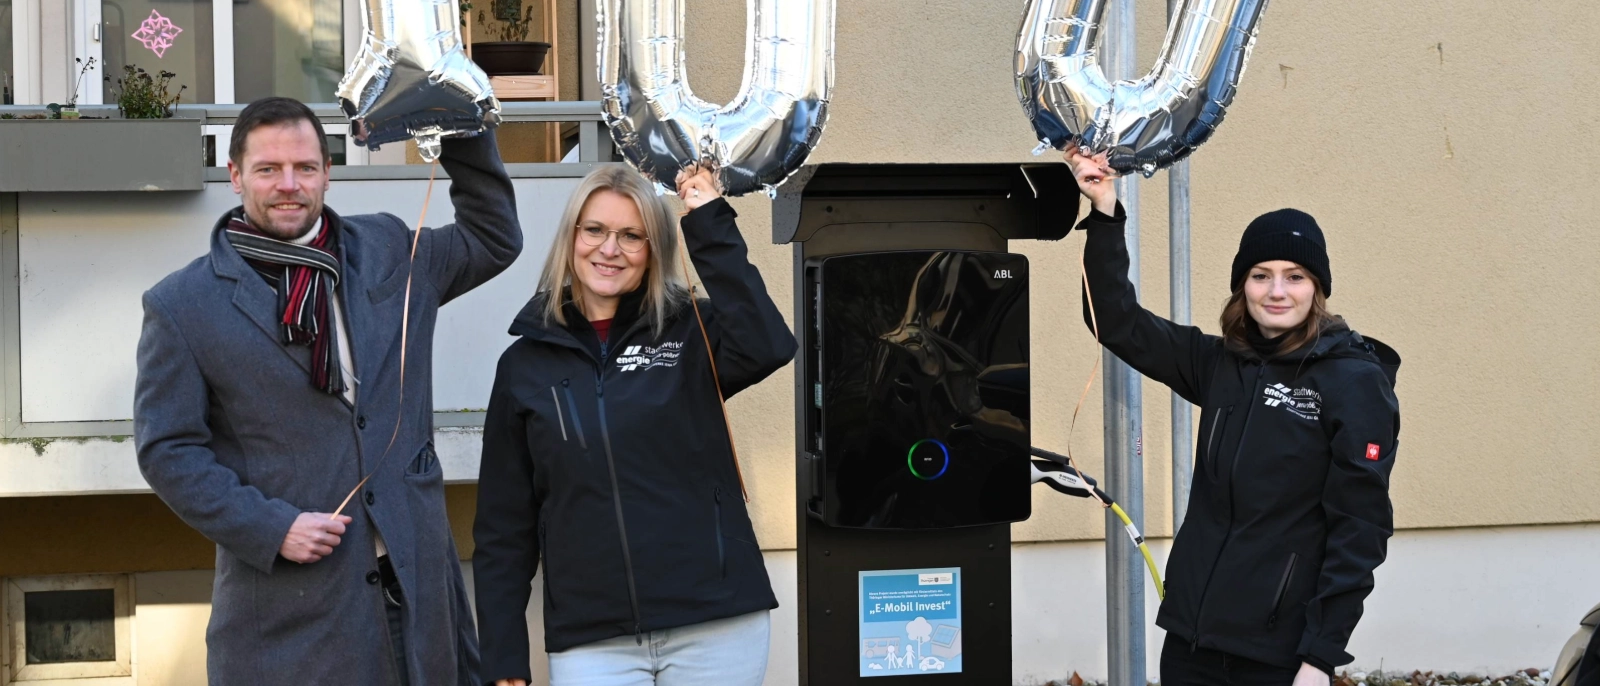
666	287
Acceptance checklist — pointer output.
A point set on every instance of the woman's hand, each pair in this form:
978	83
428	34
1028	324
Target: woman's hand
1094	177
1310	676
697	184
510	682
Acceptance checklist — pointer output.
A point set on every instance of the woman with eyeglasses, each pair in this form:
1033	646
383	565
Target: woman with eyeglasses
606	452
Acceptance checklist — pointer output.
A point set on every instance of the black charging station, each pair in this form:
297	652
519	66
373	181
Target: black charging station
912	411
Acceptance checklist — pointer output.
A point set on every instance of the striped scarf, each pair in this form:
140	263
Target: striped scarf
304	277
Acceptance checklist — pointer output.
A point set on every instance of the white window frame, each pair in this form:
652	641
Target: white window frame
86	18
14	669
84	23
25	51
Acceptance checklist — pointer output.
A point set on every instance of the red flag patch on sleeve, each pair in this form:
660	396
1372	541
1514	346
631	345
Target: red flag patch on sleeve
1373	452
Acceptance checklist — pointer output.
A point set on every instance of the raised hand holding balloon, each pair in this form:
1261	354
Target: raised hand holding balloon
697	184
1142	125
412	78
757	140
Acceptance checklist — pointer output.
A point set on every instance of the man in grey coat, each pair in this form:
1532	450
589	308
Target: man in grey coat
269	386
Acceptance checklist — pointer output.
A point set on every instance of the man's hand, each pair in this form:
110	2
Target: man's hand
1094	178
697	184
312	537
510	682
1310	676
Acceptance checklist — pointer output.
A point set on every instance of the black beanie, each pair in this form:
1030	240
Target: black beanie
1284	235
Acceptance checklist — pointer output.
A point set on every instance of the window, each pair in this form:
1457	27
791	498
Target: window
68	627
160	35
293	48
8	83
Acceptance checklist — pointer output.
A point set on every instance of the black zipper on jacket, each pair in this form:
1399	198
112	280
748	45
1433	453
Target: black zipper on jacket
1283	588
544	554
616	499
1232	469
559	419
1211	445
722	558
1249	413
572	409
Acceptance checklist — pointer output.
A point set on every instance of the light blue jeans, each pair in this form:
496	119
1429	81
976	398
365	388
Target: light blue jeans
721	652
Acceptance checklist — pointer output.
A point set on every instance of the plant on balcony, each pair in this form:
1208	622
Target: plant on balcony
70	110
509	22
142	96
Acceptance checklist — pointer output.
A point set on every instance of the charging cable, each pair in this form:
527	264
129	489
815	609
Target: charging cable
1057	472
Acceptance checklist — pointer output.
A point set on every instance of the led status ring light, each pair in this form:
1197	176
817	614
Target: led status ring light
911	463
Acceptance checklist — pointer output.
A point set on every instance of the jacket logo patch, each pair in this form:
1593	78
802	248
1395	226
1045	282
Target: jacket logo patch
649	357
1373	452
1300	402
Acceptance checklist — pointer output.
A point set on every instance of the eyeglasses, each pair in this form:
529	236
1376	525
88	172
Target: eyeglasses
630	240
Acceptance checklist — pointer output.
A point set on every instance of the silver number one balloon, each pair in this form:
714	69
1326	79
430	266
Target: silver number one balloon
759	138
1145	124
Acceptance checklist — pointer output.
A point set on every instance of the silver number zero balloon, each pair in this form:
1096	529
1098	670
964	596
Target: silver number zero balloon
1142	125
412	79
759	138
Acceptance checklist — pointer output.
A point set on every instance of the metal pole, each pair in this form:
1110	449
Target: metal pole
1124	431
1178	281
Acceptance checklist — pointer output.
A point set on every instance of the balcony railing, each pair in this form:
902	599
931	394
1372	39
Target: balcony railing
106	153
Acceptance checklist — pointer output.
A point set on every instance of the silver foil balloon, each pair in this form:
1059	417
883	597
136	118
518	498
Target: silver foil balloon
1143	125
412	78
759	138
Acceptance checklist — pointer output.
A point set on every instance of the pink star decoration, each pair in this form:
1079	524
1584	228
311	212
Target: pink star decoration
157	33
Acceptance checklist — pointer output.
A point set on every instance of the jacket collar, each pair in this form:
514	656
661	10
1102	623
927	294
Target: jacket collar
226	262
251	294
1337	340
577	334
1329	338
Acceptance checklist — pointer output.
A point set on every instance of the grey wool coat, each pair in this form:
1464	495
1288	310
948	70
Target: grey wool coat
234	437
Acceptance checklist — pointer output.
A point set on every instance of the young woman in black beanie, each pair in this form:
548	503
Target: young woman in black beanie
1289	511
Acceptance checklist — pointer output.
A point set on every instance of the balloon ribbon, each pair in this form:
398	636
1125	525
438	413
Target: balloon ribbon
405	320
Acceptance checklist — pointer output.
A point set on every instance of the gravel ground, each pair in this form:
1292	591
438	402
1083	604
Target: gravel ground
1526	677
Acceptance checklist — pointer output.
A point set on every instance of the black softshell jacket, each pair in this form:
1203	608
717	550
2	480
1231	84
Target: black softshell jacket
1289	513
611	463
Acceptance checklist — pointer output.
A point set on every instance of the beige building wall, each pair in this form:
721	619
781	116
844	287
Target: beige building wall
1448	151
1448	154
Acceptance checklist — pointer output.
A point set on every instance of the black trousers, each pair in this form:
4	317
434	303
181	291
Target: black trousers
394	607
1184	665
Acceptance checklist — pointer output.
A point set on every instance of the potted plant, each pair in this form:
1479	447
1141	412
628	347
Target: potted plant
70	110
513	54
146	149
141	96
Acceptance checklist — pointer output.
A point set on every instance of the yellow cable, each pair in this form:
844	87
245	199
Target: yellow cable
1138	539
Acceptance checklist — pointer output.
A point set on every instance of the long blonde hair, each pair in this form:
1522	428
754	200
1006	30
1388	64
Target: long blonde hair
666	287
